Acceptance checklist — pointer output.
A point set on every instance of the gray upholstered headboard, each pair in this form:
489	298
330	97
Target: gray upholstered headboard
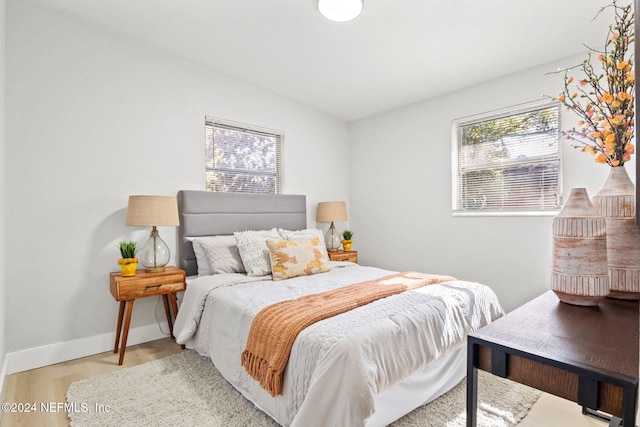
204	213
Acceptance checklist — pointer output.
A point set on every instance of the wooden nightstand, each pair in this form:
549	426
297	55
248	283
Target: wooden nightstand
143	284
343	256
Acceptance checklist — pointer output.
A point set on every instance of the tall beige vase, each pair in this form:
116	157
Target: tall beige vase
579	271
616	201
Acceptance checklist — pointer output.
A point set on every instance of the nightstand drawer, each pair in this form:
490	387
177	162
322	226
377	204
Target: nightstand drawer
343	256
132	288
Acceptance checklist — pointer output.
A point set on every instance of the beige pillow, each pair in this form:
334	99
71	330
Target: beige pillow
291	259
305	234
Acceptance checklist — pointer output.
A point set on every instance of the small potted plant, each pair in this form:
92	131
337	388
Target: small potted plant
128	262
347	235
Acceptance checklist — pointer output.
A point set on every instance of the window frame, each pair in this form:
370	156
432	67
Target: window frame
210	164
456	141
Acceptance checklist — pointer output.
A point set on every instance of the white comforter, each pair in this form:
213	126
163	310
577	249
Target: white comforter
337	366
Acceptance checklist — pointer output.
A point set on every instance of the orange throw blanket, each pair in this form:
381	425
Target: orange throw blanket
275	327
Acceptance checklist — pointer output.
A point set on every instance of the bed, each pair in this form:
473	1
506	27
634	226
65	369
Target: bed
364	367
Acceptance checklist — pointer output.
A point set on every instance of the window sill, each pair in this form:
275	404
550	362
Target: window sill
495	213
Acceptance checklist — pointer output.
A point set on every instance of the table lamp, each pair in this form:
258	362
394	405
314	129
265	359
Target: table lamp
330	212
153	211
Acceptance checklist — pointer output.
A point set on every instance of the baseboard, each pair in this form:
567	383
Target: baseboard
3	375
50	354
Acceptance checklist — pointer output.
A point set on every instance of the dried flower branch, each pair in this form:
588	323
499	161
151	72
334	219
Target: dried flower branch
605	102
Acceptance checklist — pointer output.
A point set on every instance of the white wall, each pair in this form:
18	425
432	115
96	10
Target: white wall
3	281
93	117
401	192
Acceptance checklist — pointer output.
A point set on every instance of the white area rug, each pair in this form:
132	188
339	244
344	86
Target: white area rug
185	389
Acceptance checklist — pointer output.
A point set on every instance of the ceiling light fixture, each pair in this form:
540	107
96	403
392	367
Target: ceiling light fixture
340	10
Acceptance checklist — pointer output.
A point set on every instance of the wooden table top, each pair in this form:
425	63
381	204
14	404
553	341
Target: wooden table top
600	338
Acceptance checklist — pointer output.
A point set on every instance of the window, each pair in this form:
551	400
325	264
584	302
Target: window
508	161
242	158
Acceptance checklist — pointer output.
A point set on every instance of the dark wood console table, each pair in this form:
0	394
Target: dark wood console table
588	355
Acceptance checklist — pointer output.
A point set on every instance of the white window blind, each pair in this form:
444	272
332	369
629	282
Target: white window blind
242	158
508	161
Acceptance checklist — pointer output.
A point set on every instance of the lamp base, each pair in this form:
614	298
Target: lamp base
155	253
332	239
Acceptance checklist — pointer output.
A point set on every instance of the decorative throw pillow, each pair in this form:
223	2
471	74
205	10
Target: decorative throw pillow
291	259
306	234
254	251
201	258
222	254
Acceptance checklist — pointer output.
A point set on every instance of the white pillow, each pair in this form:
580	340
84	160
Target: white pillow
306	234
254	251
201	258
222	254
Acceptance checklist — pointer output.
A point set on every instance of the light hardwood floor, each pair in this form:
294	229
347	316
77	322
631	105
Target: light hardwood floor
50	383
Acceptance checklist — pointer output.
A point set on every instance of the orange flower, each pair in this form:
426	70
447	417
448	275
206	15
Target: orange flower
623	96
606	125
610	139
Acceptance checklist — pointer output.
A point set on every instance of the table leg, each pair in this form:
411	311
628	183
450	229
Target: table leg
472	383
165	299
119	326
174	304
125	331
629	397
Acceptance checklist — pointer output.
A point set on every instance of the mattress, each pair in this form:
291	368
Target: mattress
368	366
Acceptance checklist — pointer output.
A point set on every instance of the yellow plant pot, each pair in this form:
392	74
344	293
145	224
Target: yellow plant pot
128	266
346	244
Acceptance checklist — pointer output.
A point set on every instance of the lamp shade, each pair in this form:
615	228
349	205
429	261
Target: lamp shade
152	211
145	211
332	211
340	10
